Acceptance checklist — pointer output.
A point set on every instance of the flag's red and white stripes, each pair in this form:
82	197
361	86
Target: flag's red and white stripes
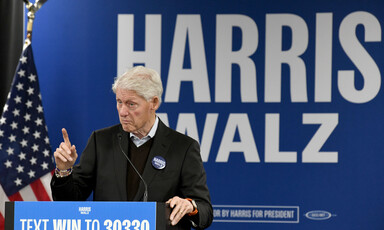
39	190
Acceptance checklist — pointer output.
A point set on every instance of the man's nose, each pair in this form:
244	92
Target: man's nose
124	111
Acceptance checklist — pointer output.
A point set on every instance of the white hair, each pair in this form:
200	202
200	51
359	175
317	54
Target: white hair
144	81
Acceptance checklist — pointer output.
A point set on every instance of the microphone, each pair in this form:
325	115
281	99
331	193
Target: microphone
145	198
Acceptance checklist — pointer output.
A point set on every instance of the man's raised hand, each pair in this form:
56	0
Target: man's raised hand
65	155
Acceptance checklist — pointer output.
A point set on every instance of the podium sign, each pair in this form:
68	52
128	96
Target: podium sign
81	215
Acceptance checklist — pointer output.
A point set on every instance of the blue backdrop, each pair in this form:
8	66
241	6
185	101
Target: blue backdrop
284	97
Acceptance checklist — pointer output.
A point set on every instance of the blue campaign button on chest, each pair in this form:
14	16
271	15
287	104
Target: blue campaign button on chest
159	162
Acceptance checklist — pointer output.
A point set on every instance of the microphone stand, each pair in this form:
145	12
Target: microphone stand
145	196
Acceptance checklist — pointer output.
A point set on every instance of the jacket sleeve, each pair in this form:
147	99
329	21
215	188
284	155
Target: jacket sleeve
79	185
194	186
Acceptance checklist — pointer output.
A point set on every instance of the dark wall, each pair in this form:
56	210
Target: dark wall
11	43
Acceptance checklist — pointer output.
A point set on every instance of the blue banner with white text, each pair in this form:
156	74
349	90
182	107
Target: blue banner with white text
284	97
85	215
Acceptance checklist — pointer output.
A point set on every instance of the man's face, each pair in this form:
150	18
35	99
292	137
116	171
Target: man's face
136	114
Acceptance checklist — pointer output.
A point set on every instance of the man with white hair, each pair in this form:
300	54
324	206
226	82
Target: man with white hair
169	162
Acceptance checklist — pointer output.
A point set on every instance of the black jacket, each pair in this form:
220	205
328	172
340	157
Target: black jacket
102	170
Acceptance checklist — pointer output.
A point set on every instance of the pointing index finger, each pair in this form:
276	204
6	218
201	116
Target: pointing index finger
65	137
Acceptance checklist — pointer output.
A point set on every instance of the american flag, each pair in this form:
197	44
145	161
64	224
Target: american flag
26	161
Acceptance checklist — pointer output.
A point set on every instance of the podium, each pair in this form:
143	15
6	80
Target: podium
47	215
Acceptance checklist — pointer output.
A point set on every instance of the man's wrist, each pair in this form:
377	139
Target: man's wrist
63	173
194	205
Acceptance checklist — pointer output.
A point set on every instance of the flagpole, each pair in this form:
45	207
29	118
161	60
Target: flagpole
26	159
32	9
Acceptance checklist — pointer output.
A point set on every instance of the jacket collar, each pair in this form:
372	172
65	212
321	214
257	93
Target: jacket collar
160	147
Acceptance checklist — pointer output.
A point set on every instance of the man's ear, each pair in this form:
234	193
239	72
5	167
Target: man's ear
155	103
